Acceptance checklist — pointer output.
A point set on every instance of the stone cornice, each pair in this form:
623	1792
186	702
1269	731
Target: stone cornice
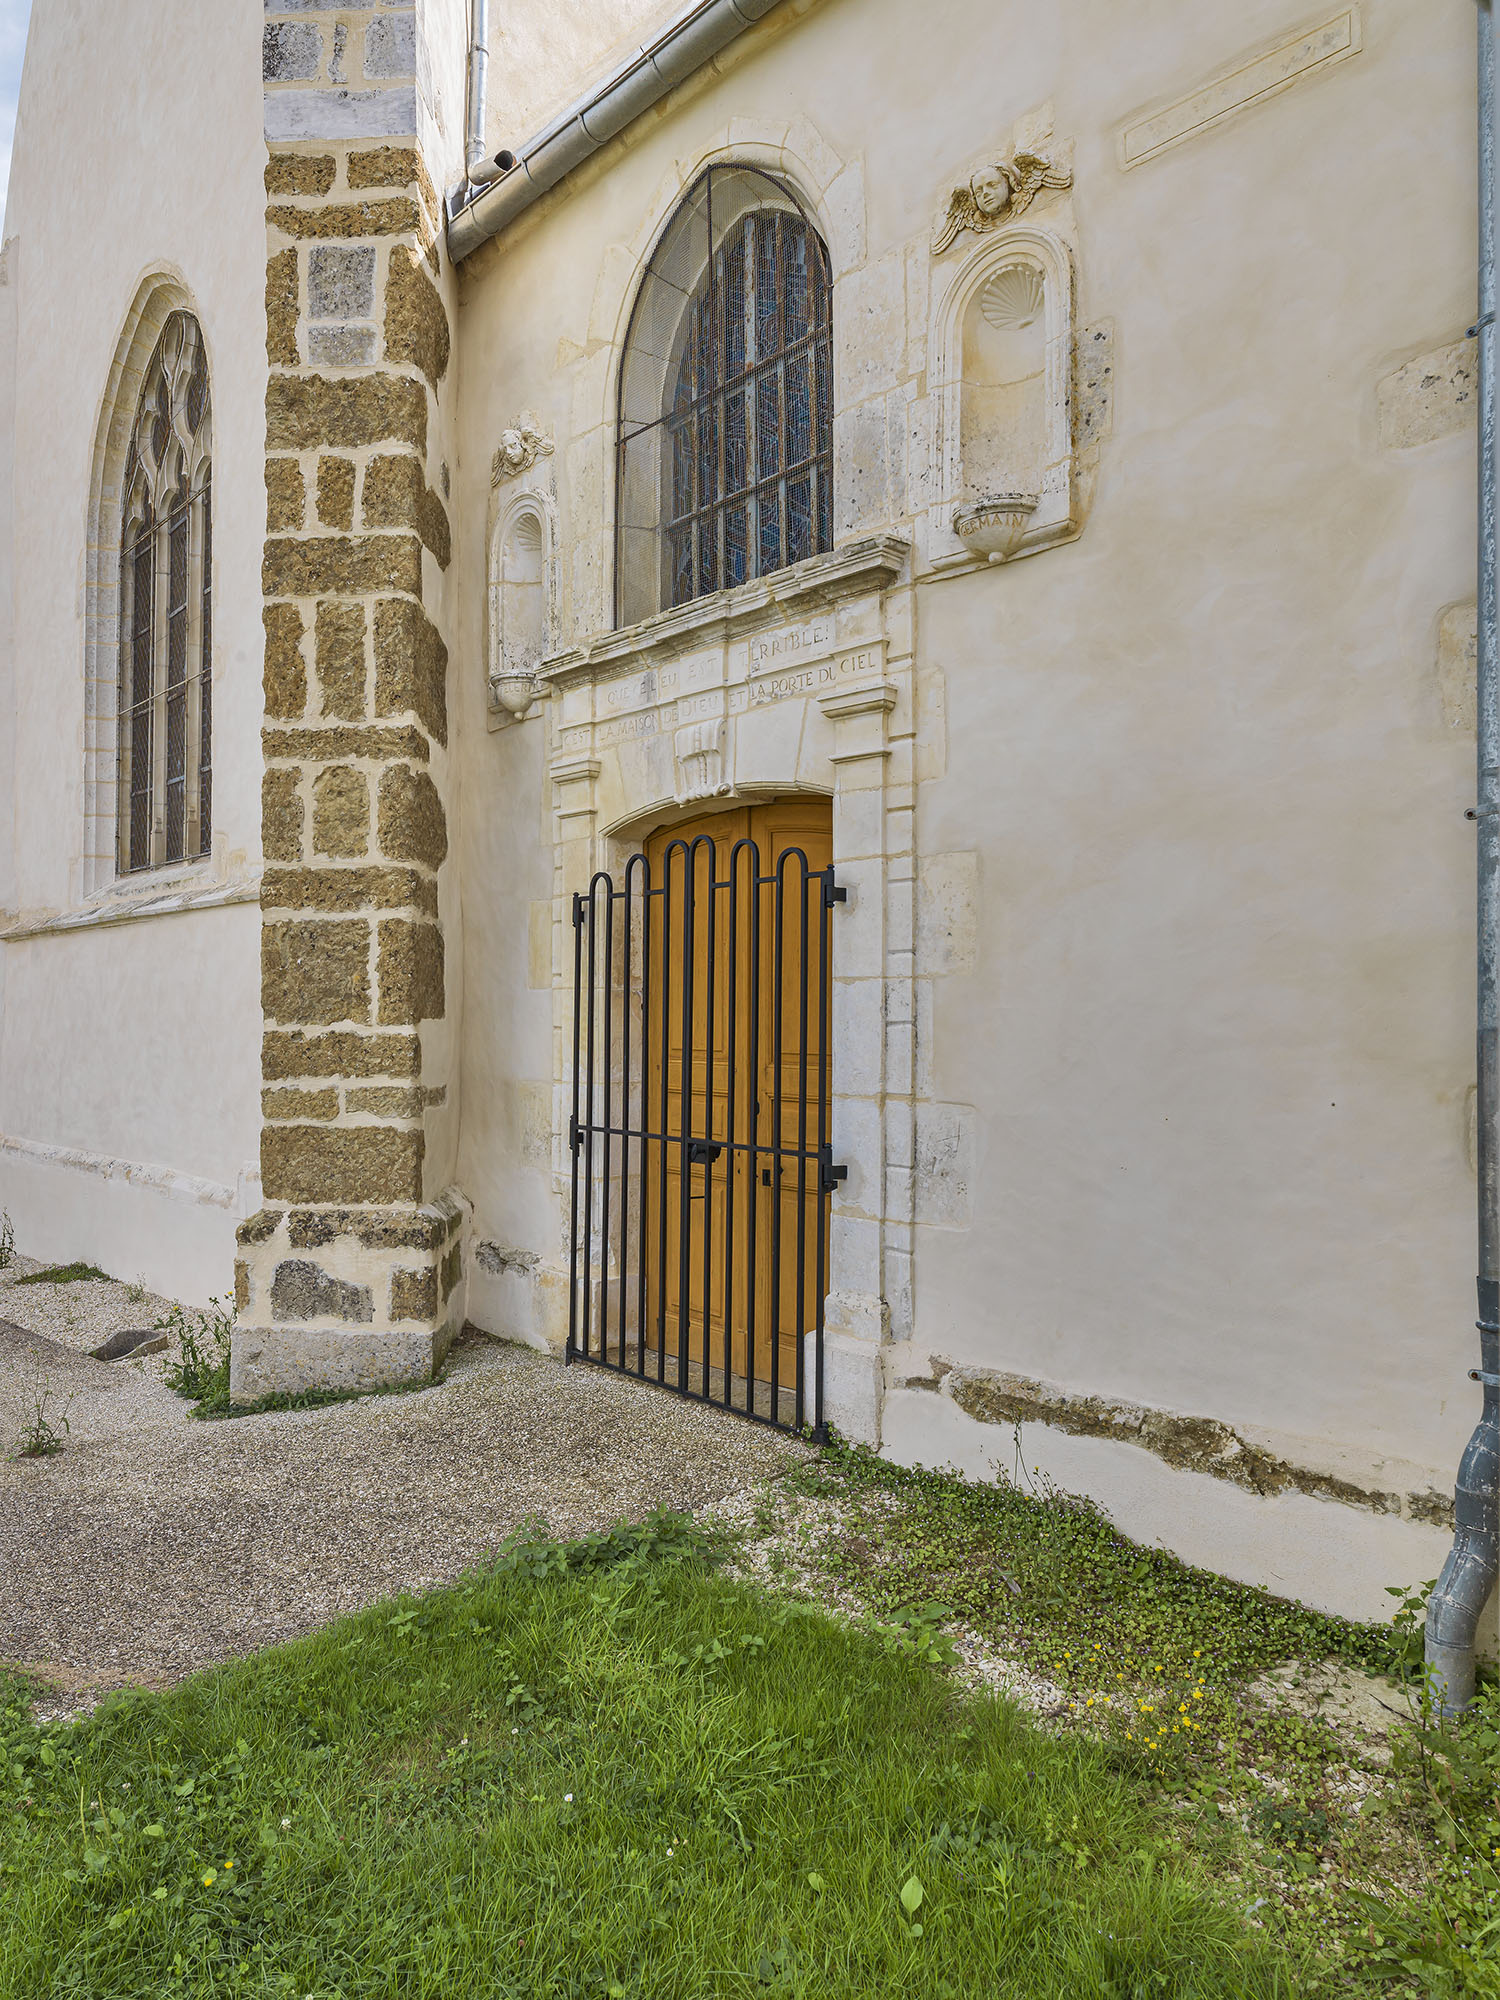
871	564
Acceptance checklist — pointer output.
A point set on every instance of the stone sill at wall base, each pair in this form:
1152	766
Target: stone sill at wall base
122	907
872	563
287	1360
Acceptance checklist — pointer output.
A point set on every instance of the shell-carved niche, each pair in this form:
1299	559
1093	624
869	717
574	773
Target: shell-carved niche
522	605
1005	476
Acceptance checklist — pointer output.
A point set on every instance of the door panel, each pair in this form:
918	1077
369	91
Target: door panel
724	1217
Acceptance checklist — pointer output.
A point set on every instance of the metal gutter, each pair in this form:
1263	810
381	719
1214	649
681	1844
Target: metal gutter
1469	1574
587	124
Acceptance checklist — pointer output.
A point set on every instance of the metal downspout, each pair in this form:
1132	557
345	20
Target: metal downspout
479	168
1470	1572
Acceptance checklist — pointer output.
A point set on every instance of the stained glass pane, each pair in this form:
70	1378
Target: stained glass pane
744	397
799	410
162	673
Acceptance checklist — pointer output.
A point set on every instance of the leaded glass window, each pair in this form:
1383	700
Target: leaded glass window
166	615
726	447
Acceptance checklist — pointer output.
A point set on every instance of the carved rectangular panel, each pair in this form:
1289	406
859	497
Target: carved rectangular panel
1249	81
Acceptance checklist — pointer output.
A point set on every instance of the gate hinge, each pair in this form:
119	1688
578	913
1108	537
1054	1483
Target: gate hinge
578	901
829	1175
575	1134
833	892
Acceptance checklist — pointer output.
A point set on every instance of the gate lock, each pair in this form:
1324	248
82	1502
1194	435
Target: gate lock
702	1152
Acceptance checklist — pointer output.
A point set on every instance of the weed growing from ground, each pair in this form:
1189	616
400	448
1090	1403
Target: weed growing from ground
201	1370
47	1432
64	1274
7	1242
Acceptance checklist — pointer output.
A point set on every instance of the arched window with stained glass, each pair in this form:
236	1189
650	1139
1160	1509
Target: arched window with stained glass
166	611
725	463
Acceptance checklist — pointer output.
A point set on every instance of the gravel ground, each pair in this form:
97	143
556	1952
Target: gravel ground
155	1544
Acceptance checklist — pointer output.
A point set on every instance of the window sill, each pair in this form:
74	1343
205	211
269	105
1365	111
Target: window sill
872	563
119	905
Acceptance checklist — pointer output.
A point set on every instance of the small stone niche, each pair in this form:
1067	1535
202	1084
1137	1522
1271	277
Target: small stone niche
1005	473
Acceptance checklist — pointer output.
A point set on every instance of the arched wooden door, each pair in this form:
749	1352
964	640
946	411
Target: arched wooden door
736	1031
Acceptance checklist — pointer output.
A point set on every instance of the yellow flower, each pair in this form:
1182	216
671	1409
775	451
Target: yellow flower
227	1866
208	1879
1090	1702
1197	1652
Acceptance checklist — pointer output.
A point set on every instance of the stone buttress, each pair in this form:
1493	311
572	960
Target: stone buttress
348	1274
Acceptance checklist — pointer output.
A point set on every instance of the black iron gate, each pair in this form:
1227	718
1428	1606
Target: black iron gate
702	1159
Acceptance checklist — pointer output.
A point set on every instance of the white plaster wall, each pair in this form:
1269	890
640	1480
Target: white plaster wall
1193	1064
138	147
542	56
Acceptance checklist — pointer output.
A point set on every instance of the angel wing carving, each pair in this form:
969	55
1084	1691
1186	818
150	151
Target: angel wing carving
963	213
1029	174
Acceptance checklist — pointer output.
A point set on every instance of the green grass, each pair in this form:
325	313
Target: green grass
605	1770
63	1274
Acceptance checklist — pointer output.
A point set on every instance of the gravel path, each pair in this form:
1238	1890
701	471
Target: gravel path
155	1544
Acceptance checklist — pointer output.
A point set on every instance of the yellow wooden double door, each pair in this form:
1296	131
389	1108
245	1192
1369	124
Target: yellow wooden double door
736	1019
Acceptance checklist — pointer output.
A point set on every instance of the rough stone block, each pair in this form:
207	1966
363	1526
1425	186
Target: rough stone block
386	1100
300	173
396	495
412	826
285	677
290	51
341	812
414	1295
1458	666
1431	397
309	411
280	816
392	166
336	494
341	281
365	1164
339	642
287	1359
260	1227
282	309
300	1290
350	565
286	495
299	1104
341	346
391	46
348	889
411	666
327	746
241	1285
410	972
416	325
315	972
393	215
286	1053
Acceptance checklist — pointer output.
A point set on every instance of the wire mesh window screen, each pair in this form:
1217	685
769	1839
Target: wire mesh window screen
725	464
165	620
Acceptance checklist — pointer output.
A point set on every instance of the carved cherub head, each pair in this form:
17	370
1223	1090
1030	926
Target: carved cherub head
990	187
997	191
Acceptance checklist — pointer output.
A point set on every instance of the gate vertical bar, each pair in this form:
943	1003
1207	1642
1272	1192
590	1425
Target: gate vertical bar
801	1332
778	1058
685	1104
752	1227
674	847
588	1128
825	1193
708	1113
641	1202
575	1136
607	1057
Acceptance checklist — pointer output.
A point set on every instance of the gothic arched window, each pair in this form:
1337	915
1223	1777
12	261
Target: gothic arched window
725	464
166	573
